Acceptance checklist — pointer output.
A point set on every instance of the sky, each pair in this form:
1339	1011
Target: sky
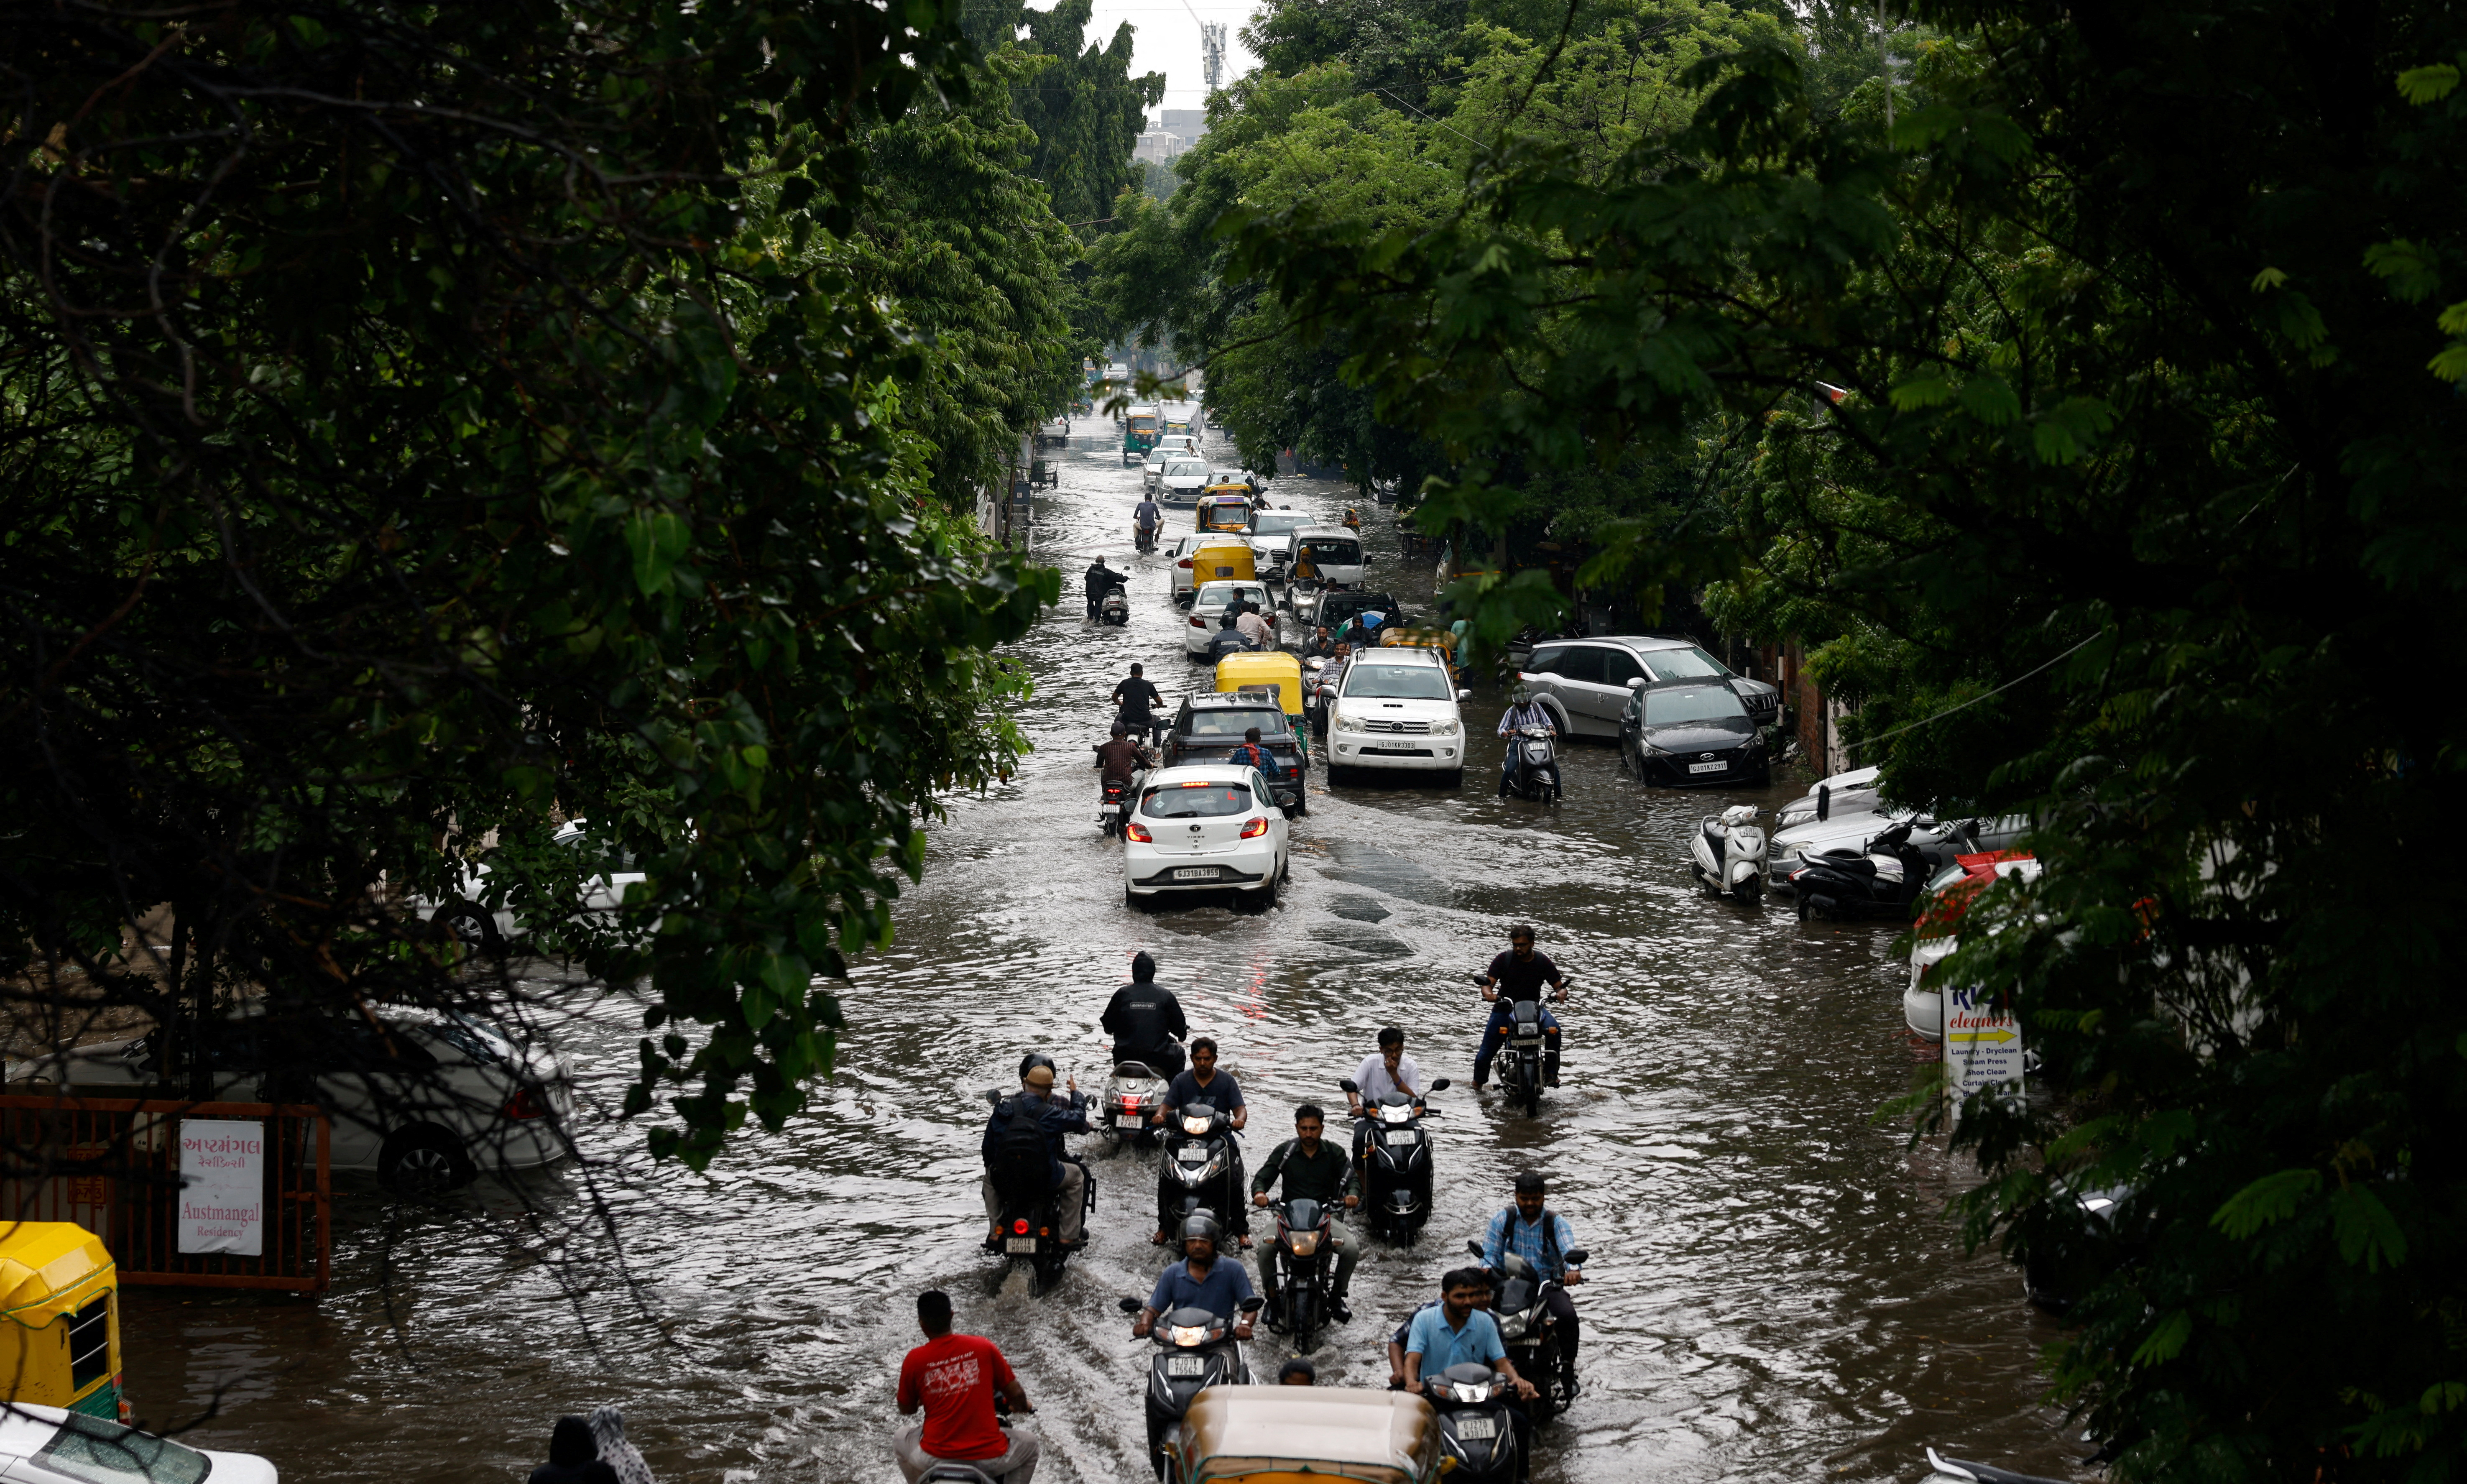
1167	42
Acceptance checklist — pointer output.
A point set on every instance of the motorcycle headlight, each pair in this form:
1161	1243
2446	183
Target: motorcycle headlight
1400	1113
1444	728
1512	1327
1188	1335
1465	1393
1192	1124
1302	1243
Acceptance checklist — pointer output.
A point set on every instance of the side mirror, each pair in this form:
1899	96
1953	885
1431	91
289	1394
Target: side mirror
1463	696
1439	1086
1575	1256
1636	682
1348	1085
992	1096
1128	1305
1253	1305
1825	801
1475	1247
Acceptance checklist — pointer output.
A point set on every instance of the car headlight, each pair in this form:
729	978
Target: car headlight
1346	721
1445	729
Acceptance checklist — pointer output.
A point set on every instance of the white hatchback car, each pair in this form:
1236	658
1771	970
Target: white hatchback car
1397	708
1205	828
1207	612
1171	447
52	1444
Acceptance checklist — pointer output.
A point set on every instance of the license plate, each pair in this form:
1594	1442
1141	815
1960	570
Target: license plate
1184	1365
1528	1042
1708	767
1476	1427
1401	1136
1022	1245
1196	873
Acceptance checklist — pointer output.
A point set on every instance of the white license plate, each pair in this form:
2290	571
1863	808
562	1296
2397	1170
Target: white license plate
1476	1427
1025	1245
1403	1136
1708	767
1196	873
1184	1365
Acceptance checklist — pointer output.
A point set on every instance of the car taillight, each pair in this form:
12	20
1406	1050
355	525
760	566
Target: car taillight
1138	832
528	1103
1198	622
1252	829
1183	563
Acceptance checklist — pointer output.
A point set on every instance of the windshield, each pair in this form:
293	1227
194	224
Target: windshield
1186	468
1142	422
1195	800
1689	664
1231	724
1276	523
1695	704
95	1451
1396	682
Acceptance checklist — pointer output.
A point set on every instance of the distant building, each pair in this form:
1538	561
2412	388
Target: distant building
1157	147
1188	123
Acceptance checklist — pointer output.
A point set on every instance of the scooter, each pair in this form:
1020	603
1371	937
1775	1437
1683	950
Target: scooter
1962	1471
1533	765
1114	607
1524	1327
1882	881
1112	813
1196	1171
1143	539
1030	1222
959	1471
1476	1427
1395	1153
1131	1094
1195	1350
1294	1270
1729	855
1109	594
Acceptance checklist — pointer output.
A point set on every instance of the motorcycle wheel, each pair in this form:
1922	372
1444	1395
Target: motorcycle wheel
1750	891
1533	1094
1545	1405
1303	1320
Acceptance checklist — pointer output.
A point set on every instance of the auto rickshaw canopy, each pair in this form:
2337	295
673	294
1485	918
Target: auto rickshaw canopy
1279	671
1306	1435
1222	510
1438	641
49	1268
1224	561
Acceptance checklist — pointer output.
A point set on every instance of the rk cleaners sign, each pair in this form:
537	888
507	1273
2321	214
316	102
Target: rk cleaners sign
222	1186
1983	1044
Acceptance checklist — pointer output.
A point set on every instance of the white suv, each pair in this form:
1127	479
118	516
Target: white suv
1397	708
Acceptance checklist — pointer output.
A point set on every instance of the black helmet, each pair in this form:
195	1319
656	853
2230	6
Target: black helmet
1198	1224
1032	1060
1529	1183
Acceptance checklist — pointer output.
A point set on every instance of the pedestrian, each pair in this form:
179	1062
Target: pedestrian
608	1434
573	1457
954	1379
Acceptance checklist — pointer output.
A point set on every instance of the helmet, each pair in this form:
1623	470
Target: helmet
1031	1062
1198	1224
1520	695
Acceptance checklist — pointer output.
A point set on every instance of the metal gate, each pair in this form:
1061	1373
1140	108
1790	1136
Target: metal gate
112	1165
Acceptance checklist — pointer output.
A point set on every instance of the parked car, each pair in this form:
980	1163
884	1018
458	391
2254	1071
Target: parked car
1208	612
425	1099
1205	830
496	928
1838	796
1685	736
1209	726
50	1444
1584	682
1054	433
1939	841
1397	710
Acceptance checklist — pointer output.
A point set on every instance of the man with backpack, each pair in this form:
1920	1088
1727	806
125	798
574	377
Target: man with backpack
1542	1237
1023	1146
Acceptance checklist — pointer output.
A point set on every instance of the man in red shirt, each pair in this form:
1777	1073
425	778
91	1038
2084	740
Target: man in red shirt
954	1379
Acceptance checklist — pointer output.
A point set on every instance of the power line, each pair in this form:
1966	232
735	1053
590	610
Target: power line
1966	705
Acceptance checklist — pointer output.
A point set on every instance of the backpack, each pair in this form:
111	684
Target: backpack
1022	1165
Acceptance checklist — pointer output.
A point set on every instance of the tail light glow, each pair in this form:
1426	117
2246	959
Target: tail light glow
1254	827
1135	830
528	1103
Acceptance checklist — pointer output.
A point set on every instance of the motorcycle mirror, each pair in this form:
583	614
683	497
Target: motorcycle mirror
992	1096
1348	1085
1575	1256
1127	1305
1253	1305
1463	696
1825	801
1440	1086
1475	1247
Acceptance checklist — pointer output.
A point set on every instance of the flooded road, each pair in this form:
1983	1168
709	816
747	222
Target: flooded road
1772	1292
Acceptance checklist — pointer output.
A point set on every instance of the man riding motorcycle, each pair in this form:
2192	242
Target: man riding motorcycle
1147	1022
1121	758
1201	1279
1523	711
1055	1117
1136	701
1543	1238
1146	517
1519	973
1313	1169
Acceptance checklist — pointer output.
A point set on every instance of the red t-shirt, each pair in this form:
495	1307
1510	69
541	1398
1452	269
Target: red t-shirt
955	1377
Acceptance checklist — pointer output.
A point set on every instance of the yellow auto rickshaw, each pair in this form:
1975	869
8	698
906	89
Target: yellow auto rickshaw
1276	672
61	1293
1304	1435
1223	561
1438	641
1223	508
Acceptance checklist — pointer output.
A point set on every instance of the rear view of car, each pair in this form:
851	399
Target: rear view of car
1203	829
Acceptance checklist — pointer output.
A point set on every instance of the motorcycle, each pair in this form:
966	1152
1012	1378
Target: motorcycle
1730	855
1111	812
1533	765
1962	1471
1031	1224
1130	1095
1196	1170
1396	1154
959	1471
1294	1270
1520	1056
1143	539
1195	1350
1524	1327
1881	881
1476	1427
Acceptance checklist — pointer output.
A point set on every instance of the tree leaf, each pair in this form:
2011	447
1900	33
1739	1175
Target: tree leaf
2166	1341
2421	85
2366	1230
1927	388
2272	1198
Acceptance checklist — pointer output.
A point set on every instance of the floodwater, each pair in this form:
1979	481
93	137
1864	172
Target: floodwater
1772	1291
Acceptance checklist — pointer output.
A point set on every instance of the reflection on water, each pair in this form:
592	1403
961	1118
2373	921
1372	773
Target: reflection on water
1772	1292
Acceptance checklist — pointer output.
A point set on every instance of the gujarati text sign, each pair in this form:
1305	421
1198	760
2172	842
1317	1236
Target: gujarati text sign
222	1186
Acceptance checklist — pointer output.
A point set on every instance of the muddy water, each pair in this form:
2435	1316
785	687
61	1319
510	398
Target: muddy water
1773	1293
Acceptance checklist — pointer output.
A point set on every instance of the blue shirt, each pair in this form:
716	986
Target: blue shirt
1512	1232
1221	1293
1441	1347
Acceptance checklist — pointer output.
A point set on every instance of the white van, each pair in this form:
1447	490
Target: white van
1334	551
1397	708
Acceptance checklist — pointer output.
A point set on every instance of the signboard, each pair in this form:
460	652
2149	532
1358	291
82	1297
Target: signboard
1983	1044
222	1186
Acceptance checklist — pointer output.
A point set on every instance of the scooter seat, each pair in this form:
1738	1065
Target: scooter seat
1849	863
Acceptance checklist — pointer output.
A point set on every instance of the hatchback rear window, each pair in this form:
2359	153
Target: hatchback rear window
1195	801
1233	723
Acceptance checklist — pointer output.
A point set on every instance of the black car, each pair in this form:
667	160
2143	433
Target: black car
1679	736
1208	728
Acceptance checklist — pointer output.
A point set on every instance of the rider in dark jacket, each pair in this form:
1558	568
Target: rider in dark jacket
1147	1022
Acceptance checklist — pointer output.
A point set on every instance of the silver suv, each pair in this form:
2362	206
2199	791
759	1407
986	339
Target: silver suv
1584	682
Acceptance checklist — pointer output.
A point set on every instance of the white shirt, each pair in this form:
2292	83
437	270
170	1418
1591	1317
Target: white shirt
1253	626
1373	1078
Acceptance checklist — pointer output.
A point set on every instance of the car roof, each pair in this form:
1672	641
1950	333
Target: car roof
1200	773
1231	700
1642	644
1403	654
1346	531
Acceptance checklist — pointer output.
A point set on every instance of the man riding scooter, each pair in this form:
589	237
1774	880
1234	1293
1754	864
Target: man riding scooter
1523	711
1054	1118
1100	577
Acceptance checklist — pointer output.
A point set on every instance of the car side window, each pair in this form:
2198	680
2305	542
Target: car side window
1545	659
1581	663
1619	666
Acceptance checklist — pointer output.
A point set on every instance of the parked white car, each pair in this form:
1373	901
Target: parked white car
1937	841
424	1099
1208	612
1842	795
1923	999
52	1444
1205	828
1397	708
1183	480
1584	683
495	928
